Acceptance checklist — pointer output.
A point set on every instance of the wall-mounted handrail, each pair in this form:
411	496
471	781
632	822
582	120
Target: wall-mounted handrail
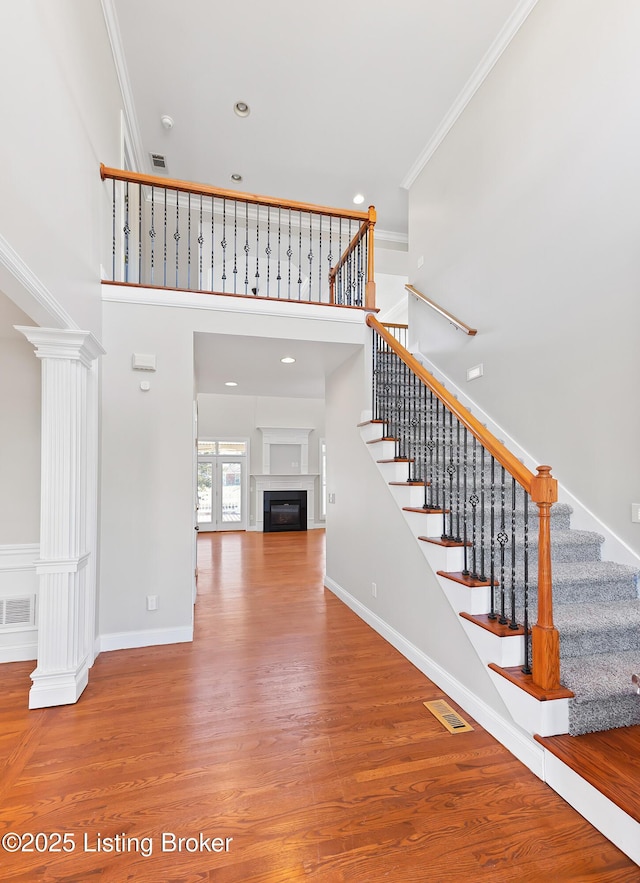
194	237
409	413
457	323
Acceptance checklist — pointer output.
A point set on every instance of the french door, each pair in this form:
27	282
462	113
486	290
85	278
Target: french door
222	485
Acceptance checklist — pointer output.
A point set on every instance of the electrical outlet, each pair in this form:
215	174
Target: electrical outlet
374	590
152	602
635	512
420	261
332	498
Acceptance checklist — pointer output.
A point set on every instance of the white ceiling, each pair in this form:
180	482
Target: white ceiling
345	97
254	364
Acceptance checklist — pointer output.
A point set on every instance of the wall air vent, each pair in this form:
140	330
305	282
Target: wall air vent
19	611
159	162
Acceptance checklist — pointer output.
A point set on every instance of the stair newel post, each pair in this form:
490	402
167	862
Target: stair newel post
545	640
370	287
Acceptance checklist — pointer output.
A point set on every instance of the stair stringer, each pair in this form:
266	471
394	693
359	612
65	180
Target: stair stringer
544	718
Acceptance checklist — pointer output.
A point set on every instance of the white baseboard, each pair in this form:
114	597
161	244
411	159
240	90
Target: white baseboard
529	752
24	651
146	638
597	809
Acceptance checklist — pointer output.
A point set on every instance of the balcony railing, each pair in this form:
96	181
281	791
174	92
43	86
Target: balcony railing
191	237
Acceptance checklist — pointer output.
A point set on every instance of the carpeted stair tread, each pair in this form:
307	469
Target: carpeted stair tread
589	629
604	695
578	582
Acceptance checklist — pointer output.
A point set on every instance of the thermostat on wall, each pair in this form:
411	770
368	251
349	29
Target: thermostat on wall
143	362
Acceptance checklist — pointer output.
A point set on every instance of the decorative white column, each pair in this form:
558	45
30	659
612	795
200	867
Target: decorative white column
68	517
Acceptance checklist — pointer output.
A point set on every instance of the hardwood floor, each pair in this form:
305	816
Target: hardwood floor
288	726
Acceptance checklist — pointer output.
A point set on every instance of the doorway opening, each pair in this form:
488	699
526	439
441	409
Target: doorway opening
222	484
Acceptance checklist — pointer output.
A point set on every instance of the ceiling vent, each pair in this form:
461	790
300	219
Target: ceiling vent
159	162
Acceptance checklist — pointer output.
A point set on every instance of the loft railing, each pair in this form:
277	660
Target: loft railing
483	494
174	234
397	330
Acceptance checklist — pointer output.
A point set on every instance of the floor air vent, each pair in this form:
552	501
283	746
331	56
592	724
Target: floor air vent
17	611
449	718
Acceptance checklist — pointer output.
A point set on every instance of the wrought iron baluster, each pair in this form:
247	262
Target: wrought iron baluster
246	248
267	251
330	258
493	614
189	240
450	473
200	244
474	500
526	669
211	286
289	256
176	235
257	277
483	573
113	213
139	232
279	277
235	247
310	259
152	231
465	569
512	623
320	260
223	245
126	230
457	531
338	279
164	248
503	539
299	255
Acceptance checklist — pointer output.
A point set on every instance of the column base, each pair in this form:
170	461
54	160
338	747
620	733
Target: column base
59	688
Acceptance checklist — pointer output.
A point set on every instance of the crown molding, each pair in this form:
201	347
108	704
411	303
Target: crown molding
113	31
506	35
48	311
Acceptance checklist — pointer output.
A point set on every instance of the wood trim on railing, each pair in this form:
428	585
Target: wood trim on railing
495	447
205	190
442	312
543	489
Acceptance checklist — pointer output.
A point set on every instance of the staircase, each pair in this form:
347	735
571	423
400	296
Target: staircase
595	603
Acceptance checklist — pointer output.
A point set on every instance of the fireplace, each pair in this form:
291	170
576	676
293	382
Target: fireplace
285	510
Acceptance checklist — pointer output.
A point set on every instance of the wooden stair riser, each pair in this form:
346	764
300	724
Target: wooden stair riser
451	557
382	449
396	471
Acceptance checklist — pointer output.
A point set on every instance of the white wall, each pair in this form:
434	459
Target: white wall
19	442
226	416
369	541
527	219
147	512
61	118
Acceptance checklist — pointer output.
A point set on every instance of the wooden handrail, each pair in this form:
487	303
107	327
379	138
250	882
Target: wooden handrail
543	489
360	233
514	467
442	312
206	190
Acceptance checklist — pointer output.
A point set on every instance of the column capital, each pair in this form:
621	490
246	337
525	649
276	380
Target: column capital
62	343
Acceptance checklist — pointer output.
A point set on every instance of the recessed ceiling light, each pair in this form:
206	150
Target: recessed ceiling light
231	383
358	199
288	360
236	177
241	108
